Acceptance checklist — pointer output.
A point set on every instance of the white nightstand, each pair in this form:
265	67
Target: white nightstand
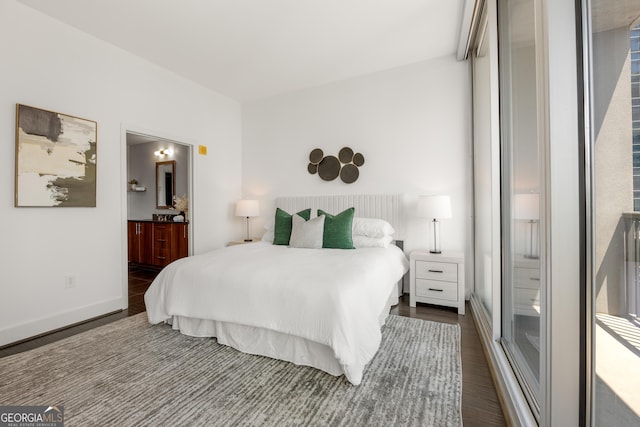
526	286
242	242
437	279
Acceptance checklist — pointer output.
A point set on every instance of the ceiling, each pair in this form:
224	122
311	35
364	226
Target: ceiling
136	138
250	49
608	15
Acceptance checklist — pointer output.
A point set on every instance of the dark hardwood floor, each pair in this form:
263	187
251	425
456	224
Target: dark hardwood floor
480	404
139	281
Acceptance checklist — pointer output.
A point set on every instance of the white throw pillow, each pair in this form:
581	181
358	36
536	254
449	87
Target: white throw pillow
306	234
371	227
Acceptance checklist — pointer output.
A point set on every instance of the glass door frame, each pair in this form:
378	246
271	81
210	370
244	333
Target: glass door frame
587	298
526	377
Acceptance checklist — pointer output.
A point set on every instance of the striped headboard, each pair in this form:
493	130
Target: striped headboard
389	207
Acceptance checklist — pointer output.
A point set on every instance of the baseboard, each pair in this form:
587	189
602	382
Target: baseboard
31	329
514	405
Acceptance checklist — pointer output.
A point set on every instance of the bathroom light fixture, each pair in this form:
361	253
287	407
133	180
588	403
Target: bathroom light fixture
164	152
435	207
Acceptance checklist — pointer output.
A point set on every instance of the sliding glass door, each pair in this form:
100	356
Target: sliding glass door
522	191
483	167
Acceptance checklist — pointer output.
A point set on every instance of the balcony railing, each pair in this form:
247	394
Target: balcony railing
632	263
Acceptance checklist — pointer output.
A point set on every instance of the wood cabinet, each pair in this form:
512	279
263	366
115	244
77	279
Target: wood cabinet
139	244
161	244
180	240
157	243
437	279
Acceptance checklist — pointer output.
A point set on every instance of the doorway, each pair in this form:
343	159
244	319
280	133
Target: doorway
159	224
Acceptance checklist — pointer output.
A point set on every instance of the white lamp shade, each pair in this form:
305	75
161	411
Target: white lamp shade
527	206
437	207
247	208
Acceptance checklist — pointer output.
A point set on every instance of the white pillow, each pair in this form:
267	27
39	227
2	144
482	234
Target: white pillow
371	227
371	242
270	225
268	236
306	234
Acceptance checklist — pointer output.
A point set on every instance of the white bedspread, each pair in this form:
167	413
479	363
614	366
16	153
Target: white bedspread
330	296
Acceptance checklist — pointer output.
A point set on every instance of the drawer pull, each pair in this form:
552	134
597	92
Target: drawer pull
161	240
436	290
436	271
537	279
160	257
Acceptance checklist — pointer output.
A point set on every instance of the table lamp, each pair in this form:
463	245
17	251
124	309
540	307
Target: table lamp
436	208
527	207
247	209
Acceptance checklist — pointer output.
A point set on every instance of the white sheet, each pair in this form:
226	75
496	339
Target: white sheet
330	296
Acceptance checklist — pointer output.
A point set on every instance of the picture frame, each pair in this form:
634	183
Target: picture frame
56	159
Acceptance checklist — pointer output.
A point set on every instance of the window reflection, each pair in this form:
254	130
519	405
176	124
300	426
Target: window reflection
522	302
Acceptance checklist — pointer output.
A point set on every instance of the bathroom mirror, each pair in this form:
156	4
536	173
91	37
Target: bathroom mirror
165	184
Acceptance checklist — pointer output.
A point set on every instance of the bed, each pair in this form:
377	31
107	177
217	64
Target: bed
316	307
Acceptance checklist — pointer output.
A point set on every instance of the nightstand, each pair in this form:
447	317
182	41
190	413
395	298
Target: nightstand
437	279
242	242
526	286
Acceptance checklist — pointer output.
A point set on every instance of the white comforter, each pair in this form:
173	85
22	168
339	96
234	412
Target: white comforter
330	296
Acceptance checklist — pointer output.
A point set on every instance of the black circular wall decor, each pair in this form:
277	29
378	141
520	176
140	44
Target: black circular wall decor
312	168
329	168
358	159
315	156
346	155
349	173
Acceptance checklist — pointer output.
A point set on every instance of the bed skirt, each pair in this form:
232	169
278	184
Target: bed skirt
277	345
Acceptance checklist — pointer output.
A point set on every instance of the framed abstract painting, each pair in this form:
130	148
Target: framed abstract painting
55	159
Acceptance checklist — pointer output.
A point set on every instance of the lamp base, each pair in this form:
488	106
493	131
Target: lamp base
248	239
436	248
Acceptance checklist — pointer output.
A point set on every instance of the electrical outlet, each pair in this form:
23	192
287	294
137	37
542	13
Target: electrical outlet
69	281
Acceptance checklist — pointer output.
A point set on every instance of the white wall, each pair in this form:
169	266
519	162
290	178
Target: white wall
411	123
53	66
613	167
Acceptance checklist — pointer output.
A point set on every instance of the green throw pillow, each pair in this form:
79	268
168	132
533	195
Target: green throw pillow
282	230
337	229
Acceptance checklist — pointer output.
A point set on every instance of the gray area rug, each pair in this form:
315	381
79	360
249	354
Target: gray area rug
131	373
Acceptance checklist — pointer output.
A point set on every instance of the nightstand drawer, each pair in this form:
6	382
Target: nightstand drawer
526	301
437	289
445	271
527	278
526	296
